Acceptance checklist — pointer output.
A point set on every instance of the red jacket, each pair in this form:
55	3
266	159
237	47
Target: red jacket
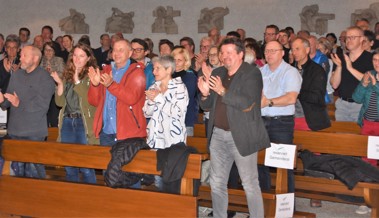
130	94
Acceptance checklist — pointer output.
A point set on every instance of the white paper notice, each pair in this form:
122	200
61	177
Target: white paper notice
285	205
3	116
280	156
373	147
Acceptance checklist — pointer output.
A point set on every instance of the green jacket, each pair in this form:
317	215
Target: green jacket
362	95
87	110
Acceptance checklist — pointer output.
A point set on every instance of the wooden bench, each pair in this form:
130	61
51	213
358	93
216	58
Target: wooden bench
53	133
336	126
325	189
47	198
237	197
343	127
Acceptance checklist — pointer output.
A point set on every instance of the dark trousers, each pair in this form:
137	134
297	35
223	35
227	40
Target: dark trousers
280	130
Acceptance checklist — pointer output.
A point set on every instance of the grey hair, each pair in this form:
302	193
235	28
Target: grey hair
13	38
166	61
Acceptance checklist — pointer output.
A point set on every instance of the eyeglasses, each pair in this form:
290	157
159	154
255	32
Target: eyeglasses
137	50
269	34
271	51
352	37
212	55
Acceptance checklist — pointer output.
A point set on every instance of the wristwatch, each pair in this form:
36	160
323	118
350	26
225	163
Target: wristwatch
271	103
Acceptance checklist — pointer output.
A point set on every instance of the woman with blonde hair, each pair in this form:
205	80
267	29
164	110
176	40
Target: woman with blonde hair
76	115
182	65
326	48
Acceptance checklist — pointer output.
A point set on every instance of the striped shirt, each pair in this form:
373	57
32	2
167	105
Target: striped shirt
371	113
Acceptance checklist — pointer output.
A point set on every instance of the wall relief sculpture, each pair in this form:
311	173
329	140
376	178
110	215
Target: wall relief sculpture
313	21
120	22
210	18
74	24
164	20
371	14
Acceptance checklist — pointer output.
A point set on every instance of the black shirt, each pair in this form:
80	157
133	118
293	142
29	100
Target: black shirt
348	81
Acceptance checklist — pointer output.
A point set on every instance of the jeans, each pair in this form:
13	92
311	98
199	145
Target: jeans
107	139
223	153
1	165
31	170
73	131
280	130
347	111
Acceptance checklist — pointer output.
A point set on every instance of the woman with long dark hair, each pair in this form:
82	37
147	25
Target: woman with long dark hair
76	115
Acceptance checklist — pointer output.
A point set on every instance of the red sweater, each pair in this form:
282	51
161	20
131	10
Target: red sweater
130	94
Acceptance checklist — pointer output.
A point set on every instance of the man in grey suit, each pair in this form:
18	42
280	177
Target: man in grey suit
232	94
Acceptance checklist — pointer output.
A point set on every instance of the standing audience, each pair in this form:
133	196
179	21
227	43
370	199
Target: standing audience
232	94
182	70
28	96
76	116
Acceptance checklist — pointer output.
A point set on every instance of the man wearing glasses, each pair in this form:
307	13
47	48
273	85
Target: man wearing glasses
140	50
270	34
348	72
281	86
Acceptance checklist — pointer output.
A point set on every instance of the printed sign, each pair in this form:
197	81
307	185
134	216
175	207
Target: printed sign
373	147
280	156
285	205
3	116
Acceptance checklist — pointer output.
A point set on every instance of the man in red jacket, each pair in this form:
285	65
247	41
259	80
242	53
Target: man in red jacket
118	93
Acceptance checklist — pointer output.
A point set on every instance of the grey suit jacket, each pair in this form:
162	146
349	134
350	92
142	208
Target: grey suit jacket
243	100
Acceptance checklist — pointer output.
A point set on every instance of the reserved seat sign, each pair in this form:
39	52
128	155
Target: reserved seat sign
280	156
373	147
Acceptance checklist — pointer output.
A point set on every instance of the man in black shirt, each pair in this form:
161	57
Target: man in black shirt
349	71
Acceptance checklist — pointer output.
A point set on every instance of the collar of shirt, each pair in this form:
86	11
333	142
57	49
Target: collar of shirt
119	73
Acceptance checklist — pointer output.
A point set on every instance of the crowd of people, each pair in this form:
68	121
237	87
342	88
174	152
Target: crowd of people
251	93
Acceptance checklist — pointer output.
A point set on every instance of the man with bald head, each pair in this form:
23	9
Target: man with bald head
281	86
118	92
28	97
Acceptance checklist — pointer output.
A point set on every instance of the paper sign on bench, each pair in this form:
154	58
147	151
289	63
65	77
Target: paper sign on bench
3	116
284	205
280	156
373	147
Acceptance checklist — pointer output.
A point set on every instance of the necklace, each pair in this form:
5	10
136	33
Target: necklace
230	77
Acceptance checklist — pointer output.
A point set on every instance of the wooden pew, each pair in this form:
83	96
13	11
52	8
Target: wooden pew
47	198
343	127
53	133
336	126
325	189
237	197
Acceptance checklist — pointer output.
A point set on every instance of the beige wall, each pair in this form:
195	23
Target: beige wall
252	15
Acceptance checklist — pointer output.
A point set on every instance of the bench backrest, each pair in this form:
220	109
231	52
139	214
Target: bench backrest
200	143
332	143
343	127
53	133
91	156
336	127
46	198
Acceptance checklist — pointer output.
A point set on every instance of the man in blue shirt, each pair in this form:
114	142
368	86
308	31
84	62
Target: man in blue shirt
281	86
